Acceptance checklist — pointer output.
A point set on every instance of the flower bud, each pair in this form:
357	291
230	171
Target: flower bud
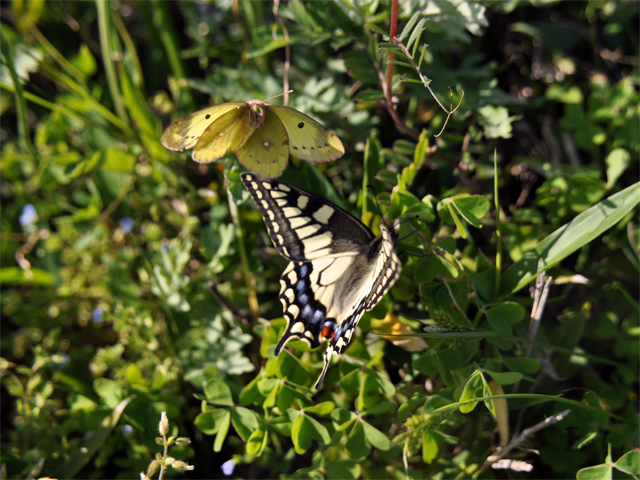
163	427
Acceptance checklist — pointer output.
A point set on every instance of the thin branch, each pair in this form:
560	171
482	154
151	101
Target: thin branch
23	263
540	295
393	31
213	290
455	302
113	205
527	432
631	237
287	49
425	81
394	115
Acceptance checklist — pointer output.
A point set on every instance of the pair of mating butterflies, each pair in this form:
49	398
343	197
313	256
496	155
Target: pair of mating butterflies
260	135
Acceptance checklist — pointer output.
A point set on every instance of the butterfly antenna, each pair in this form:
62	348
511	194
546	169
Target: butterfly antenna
376	199
276	96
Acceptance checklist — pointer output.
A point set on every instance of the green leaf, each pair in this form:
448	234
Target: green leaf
474	388
223	429
209	422
357	445
522	365
244	421
409	26
426	363
430	448
343	469
82	455
109	391
318	431
507	378
471	208
377	29
382	407
599	472
570	237
368	395
218	392
110	159
324	408
496	121
33	276
617	162
629	463
375	437
257	442
300	434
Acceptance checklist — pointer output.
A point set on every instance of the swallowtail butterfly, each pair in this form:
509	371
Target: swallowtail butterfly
338	268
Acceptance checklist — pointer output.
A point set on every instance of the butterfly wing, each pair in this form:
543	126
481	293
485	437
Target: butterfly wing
308	139
321	240
338	268
185	132
266	152
383	271
230	131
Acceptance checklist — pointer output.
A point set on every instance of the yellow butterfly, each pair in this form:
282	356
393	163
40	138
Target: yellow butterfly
260	135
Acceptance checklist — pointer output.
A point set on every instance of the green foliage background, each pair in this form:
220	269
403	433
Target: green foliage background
107	317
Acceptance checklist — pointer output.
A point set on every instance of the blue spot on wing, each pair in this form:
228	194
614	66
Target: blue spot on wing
307	312
300	286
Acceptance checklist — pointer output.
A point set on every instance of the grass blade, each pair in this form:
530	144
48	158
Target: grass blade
570	237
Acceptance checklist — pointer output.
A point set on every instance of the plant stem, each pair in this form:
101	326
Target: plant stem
108	56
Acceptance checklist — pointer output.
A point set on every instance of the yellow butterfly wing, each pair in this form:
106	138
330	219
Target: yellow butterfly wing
185	132
229	132
267	150
308	139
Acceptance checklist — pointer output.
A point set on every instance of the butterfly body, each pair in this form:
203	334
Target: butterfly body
338	269
261	136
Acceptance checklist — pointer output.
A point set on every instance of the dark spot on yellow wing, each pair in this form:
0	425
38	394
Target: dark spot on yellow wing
207	117
304	148
286	142
295	148
312	148
301	124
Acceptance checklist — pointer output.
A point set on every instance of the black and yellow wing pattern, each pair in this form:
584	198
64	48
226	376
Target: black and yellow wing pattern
338	268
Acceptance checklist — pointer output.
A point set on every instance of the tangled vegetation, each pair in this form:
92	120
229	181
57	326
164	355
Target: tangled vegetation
140	288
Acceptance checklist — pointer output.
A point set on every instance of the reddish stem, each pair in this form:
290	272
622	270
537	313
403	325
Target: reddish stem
392	33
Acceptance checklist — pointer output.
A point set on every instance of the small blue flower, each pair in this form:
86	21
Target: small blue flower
228	467
127	430
97	315
28	216
126	224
